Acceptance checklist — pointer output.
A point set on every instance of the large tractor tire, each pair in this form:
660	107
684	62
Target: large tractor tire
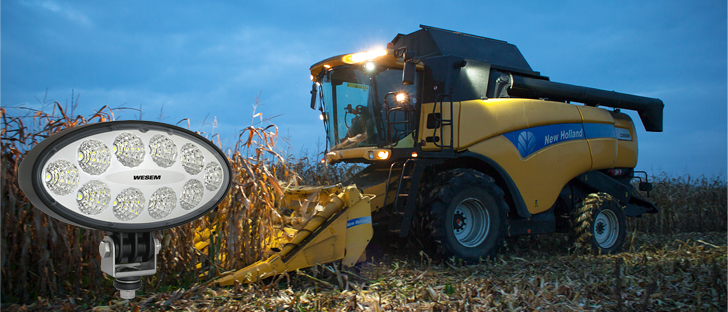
598	224
464	213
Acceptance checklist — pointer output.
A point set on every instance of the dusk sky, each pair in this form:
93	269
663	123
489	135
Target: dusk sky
214	58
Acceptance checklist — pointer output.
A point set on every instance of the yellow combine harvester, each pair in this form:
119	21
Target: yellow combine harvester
466	145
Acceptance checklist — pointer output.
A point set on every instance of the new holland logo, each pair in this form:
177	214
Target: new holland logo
148	177
526	143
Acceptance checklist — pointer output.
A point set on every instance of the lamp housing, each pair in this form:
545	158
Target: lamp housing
125	176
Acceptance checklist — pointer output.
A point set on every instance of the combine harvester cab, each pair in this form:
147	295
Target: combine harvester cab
466	144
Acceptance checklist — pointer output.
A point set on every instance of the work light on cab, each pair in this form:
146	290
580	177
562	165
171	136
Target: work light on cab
363	56
128	178
370	66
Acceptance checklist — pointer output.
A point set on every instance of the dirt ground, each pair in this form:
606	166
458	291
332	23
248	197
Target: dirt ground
684	272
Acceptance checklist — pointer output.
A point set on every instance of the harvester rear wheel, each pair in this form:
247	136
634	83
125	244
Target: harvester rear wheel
464	213
598	224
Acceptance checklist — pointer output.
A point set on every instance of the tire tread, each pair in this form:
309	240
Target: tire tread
439	191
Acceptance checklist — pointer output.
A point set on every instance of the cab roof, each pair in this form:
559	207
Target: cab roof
432	41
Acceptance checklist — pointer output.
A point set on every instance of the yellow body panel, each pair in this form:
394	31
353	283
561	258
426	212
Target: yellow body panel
480	120
603	152
627	149
595	114
352	153
378	191
542	175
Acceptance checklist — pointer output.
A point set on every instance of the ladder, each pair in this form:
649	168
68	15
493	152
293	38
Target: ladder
441	122
403	207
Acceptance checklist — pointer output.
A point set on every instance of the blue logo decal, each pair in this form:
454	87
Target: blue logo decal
526	143
594	130
531	140
358	221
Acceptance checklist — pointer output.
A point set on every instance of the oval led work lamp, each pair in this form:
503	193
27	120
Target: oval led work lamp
128	178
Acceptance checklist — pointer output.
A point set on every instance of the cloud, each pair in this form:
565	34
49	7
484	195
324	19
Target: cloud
62	10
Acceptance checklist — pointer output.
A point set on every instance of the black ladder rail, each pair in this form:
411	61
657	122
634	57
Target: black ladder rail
403	182
405	217
408	121
395	226
442	122
389	179
411	199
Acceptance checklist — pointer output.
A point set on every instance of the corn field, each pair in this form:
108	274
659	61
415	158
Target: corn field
43	258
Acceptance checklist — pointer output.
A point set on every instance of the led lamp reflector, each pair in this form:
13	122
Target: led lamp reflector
192	194
162	202
130	166
213	176
192	159
163	150
129	204
61	177
129	149
93	197
94	157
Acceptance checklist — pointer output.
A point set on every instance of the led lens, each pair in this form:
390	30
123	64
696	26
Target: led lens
191	194
163	150
129	204
383	154
94	157
400	97
93	197
162	202
370	66
363	56
129	149
61	177
213	176
192	159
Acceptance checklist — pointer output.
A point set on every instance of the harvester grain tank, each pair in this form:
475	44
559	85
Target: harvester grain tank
465	144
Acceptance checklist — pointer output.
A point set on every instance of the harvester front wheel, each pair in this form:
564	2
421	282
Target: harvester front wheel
598	224
466	213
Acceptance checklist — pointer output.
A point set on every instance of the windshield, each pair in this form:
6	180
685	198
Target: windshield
355	107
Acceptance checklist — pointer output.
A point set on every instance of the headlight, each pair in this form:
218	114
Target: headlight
363	56
383	155
128	178
370	66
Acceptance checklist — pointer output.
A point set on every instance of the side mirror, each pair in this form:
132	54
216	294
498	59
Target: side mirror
314	91
645	186
408	74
